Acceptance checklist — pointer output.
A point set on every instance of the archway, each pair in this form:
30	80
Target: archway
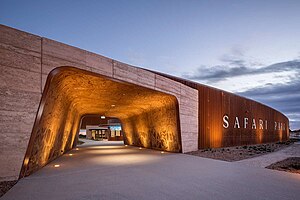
150	118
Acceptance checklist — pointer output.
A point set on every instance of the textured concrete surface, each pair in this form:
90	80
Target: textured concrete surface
25	62
56	54
20	93
118	172
270	158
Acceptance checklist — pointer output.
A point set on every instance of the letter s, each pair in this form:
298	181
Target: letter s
225	121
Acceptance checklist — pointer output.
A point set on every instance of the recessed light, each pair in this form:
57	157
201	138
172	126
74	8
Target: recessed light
70	154
77	149
162	152
126	145
113	105
56	165
102	117
140	148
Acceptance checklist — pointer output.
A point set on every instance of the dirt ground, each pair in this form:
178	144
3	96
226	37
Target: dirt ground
291	164
5	186
240	152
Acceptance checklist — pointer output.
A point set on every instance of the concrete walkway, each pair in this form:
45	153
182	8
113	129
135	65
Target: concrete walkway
267	159
113	171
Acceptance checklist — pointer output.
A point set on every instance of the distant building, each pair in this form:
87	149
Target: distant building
110	131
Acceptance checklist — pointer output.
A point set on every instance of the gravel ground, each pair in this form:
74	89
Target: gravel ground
5	186
291	164
240	152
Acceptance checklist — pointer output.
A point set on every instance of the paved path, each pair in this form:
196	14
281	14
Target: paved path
267	159
118	172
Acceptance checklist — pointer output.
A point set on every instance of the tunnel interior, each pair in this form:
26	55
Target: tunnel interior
149	118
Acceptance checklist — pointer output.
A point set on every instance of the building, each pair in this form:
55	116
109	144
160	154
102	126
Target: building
102	128
47	87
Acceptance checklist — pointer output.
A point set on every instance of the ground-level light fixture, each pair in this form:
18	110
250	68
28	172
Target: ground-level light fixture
140	148
162	152
102	117
56	165
126	145
77	149
113	105
70	154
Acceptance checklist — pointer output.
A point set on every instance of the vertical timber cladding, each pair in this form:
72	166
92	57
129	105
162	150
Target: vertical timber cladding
226	119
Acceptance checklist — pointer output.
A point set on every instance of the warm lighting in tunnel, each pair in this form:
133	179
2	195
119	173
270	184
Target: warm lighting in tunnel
70	154
56	165
126	145
149	117
162	152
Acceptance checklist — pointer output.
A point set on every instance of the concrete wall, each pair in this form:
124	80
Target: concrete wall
20	93
25	62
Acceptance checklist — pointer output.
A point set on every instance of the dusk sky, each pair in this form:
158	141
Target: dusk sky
251	48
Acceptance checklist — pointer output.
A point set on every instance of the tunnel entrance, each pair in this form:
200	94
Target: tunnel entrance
149	118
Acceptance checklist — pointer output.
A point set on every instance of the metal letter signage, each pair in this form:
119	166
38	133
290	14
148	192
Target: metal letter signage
255	124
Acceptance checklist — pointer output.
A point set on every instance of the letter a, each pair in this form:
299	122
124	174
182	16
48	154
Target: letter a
236	123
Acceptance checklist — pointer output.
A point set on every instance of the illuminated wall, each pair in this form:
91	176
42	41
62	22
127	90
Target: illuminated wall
156	129
149	117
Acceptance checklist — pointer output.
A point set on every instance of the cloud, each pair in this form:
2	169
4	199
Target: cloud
216	73
238	67
285	98
276	85
236	64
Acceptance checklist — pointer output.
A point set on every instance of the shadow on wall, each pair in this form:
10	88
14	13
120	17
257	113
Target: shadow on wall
150	118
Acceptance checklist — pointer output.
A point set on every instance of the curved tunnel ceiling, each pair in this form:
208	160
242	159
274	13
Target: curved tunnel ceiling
92	94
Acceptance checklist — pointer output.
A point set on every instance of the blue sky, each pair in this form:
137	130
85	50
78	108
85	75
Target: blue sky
251	48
